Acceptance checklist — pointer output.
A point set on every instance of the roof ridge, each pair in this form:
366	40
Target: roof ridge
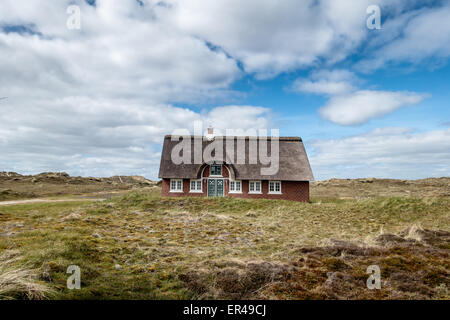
236	137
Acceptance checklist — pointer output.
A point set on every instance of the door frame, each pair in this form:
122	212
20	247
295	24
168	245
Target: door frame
215	187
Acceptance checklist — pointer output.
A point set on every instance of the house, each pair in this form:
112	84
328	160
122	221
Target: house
221	174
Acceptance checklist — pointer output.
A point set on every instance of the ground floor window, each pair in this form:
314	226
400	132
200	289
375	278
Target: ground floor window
196	185
176	185
274	186
235	187
254	187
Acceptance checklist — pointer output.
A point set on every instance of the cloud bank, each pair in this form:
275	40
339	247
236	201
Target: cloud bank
384	153
97	101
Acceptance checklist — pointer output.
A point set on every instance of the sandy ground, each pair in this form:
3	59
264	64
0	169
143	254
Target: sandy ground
94	196
14	202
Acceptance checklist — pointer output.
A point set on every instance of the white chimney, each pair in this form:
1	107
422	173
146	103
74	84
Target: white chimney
210	134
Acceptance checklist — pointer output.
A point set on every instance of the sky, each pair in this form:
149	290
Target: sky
95	96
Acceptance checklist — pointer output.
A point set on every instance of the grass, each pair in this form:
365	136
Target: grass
142	246
19	282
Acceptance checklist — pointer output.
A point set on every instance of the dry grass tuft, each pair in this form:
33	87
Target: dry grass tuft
414	233
72	216
19	282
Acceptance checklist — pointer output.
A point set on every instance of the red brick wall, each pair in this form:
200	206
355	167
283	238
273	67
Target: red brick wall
165	192
291	190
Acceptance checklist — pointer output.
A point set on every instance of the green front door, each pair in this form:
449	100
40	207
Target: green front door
219	187
215	187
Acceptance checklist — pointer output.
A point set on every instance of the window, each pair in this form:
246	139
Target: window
254	187
235	186
275	187
196	185
216	170
176	185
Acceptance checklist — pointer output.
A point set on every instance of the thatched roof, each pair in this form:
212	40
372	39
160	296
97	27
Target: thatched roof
293	161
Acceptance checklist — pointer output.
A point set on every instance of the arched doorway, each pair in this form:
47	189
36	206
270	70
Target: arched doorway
215	175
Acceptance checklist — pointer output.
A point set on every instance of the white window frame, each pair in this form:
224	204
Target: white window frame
254	191
196	185
216	175
274	187
234	190
176	183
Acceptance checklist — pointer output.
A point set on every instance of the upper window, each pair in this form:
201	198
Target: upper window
254	187
196	185
274	186
176	185
216	170
235	186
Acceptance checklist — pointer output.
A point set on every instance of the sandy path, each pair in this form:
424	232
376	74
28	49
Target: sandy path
13	202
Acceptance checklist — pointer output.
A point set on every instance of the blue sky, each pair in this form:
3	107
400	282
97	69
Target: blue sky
296	109
97	100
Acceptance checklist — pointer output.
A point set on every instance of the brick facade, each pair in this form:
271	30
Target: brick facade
290	190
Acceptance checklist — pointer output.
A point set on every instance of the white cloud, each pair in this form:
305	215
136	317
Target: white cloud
360	106
98	101
383	153
326	82
109	52
271	37
413	36
348	105
239	117
103	137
